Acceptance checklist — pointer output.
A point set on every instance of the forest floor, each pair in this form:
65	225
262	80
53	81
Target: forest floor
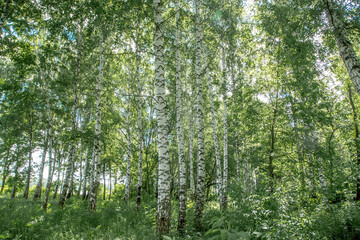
253	217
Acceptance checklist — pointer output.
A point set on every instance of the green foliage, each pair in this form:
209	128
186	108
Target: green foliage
25	219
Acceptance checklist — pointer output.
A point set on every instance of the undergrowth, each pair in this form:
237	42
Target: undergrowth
249	216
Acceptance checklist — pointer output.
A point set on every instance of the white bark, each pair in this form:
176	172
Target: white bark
200	201
97	141
50	142
164	202
180	129
140	129
346	49
128	157
59	157
191	149
237	156
218	179
70	163
223	201
37	192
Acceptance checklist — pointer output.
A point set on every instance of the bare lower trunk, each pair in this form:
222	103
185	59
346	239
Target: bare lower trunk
87	163
357	143
71	185
218	179
97	142
13	192
237	157
128	159
180	131
58	174
6	170
140	130
27	184
223	201
200	189
50	177
163	199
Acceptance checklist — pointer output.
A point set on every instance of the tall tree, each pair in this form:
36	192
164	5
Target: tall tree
96	164
200	187
164	201
347	53
180	128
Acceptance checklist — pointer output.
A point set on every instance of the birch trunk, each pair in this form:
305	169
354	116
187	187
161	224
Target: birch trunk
97	141
140	129
218	180
50	141
37	193
200	201
70	163
87	163
191	147
60	156
356	141
345	47
128	157
6	170
13	192
180	130
164	201
237	156
50	176
71	185
246	168
27	184
81	175
223	201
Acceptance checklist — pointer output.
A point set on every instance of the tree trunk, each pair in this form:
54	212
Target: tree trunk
81	178
272	144
87	163
140	129
191	149
13	192
218	179
357	143
27	184
50	176
6	170
180	130
70	163
164	201
71	185
37	193
237	156
345	47
97	141
200	201
110	188
223	201
128	157
59	156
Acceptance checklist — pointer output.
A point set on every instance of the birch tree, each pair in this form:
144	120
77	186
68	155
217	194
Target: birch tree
96	164
180	129
200	189
164	202
128	156
346	50
223	201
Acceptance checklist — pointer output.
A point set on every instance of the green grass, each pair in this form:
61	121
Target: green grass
25	219
249	216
